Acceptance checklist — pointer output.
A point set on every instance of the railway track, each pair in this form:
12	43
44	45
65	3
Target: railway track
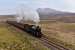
51	44
44	39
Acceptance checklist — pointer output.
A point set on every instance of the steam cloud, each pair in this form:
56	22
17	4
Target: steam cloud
27	14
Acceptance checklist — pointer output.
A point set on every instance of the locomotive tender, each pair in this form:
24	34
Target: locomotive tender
31	29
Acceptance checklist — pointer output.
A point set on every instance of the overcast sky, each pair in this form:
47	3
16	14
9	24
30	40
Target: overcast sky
9	6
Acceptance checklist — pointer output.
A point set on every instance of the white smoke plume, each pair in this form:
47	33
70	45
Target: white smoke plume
27	14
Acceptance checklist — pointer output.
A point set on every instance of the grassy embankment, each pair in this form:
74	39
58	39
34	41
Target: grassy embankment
12	39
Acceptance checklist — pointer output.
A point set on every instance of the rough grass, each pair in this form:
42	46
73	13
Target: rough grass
60	32
69	27
12	39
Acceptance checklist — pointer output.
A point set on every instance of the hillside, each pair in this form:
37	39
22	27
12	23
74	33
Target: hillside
51	14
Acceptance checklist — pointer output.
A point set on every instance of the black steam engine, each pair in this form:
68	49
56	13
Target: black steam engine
31	29
34	30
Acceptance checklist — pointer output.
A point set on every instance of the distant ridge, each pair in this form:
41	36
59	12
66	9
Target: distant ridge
48	13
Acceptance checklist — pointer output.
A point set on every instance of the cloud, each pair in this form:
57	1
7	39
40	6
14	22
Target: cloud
34	3
63	5
69	5
7	6
69	2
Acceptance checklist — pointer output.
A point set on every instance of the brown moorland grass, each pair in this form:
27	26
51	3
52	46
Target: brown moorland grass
60	32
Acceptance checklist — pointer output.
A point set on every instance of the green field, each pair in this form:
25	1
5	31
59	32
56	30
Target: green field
13	39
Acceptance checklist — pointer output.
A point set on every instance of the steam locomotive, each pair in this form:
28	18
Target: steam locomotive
31	29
